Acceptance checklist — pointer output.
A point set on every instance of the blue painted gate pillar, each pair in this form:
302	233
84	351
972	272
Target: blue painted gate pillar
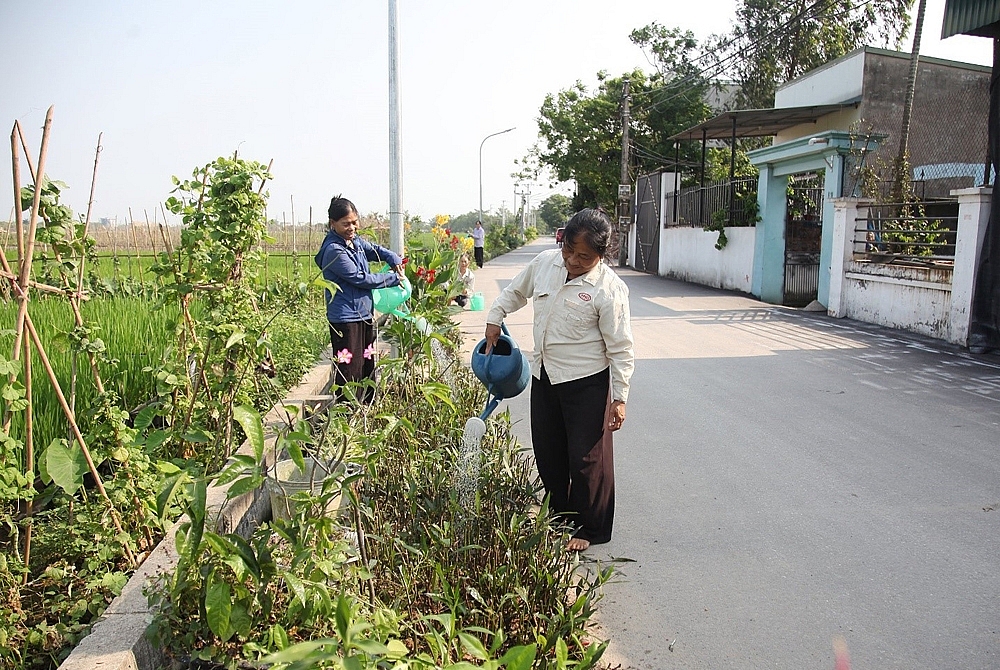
768	281
826	152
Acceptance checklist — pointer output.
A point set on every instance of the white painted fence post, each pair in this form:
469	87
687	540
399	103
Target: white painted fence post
973	214
846	211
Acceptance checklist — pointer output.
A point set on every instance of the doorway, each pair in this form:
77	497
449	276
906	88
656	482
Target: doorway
803	238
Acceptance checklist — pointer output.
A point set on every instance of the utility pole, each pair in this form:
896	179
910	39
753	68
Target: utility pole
503	212
525	194
624	185
395	169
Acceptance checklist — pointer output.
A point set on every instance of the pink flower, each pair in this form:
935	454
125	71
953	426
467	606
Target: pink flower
344	356
370	351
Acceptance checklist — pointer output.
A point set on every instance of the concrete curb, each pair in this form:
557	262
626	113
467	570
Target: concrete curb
117	641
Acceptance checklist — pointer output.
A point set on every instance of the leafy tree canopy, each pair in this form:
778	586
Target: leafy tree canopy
464	223
774	41
554	211
580	130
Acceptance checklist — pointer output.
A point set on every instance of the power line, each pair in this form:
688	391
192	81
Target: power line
812	11
705	55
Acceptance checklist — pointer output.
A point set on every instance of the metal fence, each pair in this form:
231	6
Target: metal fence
920	234
701	206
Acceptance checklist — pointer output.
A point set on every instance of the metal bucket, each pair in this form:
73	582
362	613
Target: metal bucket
287	480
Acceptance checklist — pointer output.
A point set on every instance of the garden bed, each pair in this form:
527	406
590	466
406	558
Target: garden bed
118	640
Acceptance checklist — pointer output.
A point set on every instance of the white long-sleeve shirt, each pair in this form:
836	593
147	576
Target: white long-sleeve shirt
581	326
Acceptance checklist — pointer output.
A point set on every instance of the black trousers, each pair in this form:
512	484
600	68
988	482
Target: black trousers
574	451
355	336
478	251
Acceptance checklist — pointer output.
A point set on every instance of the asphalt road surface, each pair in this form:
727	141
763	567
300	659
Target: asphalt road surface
785	478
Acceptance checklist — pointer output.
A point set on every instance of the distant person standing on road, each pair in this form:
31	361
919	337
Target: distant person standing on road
581	367
479	242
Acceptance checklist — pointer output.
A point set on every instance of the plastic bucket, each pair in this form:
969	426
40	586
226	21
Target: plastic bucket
477	302
287	480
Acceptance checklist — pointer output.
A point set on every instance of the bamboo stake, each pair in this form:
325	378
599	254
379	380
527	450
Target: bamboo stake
90	205
7	273
114	253
15	156
125	252
264	181
29	241
284	227
149	231
135	243
39	347
24	145
29	453
166	241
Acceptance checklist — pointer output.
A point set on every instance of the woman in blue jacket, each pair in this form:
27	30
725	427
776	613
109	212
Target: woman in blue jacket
343	257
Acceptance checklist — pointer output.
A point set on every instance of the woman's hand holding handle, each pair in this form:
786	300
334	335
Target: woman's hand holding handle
492	335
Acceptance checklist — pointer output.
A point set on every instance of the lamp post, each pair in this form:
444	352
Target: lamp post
481	168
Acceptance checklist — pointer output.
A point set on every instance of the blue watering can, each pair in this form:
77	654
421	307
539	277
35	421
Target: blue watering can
504	371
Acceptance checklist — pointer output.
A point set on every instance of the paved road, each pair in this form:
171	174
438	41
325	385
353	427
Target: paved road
785	478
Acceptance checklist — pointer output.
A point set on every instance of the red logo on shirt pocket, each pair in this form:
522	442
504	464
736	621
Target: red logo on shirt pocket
585	297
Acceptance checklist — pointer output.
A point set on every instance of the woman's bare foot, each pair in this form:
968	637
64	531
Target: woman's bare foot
577	544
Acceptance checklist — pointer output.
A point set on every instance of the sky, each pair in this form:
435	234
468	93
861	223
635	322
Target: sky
173	85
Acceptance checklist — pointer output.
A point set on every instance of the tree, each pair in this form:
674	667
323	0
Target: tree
554	211
464	223
774	41
580	130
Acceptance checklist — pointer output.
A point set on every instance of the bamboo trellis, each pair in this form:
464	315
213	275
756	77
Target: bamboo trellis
26	336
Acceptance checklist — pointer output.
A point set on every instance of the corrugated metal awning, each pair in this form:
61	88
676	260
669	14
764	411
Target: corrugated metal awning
971	17
758	122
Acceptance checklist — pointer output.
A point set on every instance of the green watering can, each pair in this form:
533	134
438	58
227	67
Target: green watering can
388	300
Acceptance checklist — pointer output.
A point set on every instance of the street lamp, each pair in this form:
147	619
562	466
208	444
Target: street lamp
481	168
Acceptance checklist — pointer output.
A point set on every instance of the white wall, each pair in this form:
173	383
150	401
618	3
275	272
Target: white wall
839	81
930	301
689	254
913	299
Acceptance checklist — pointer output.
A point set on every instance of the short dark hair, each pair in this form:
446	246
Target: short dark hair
595	227
341	207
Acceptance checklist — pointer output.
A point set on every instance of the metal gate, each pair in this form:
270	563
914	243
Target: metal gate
803	242
647	223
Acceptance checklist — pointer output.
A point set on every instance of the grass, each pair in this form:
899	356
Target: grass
135	331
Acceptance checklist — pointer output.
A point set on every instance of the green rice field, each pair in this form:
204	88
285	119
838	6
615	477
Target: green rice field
135	331
118	266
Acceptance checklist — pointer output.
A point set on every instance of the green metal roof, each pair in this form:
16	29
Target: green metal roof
971	17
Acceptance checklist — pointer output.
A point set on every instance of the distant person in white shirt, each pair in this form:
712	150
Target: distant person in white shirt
468	281
581	366
478	242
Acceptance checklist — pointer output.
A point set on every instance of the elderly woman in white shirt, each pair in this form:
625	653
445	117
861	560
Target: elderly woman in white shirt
581	366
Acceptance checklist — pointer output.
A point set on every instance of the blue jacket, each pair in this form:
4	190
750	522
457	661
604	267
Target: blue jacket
348	268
